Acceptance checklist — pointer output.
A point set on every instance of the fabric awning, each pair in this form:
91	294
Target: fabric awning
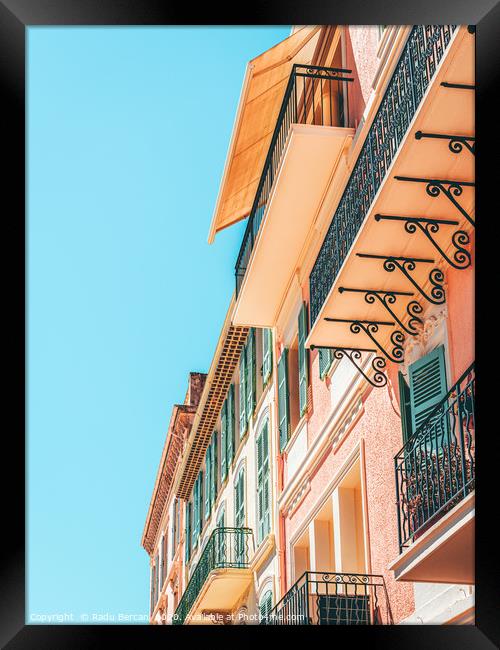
263	89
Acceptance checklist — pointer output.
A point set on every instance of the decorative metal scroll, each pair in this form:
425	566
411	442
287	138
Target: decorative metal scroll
447	187
461	258
387	298
378	364
370	328
437	295
456	143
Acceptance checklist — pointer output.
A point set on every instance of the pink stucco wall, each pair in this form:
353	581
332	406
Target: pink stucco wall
379	426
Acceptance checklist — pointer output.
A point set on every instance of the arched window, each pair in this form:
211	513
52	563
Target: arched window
265	605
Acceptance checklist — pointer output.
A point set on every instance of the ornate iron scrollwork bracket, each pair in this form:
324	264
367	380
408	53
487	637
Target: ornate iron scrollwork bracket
449	188
436	296
388	298
370	328
461	257
354	354
456	143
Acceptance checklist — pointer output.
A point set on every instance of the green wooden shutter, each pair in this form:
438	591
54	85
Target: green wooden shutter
187	541
267	355
263	484
239	506
283	399
251	376
200	505
215	468
266	604
208	476
243	392
427	385
404	406
325	361
194	526
230	428
223	441
260	488
303	359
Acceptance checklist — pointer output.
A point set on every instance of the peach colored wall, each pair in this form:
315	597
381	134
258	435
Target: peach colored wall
380	427
460	301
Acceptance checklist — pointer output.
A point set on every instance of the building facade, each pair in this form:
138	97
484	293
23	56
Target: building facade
327	472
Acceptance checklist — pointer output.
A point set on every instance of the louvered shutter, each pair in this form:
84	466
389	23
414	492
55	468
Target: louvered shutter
243	392
208	476
230	428
325	361
260	488
283	399
266	518
194	533
215	469
263	484
267	355
239	510
427	378
251	377
303	359
266	604
223	441
404	406
200	505
187	541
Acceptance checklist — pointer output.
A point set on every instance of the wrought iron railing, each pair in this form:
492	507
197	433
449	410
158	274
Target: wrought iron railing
227	548
417	64
314	95
435	469
333	599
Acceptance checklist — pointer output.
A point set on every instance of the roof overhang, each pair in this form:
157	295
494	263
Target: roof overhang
261	96
225	359
181	418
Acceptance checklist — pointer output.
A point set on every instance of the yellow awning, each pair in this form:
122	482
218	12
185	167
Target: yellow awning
263	89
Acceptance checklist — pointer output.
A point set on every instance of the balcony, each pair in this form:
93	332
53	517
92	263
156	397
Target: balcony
310	135
220	578
406	212
333	599
435	475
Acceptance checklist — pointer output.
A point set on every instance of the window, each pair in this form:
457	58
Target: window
267	355
208	478
303	359
263	484
247	385
325	361
266	604
283	399
426	388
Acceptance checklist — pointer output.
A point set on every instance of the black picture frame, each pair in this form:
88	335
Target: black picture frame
15	17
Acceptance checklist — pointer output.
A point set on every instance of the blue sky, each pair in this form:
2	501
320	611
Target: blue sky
128	130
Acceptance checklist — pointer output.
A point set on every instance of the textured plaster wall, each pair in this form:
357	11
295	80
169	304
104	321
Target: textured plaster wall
460	301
